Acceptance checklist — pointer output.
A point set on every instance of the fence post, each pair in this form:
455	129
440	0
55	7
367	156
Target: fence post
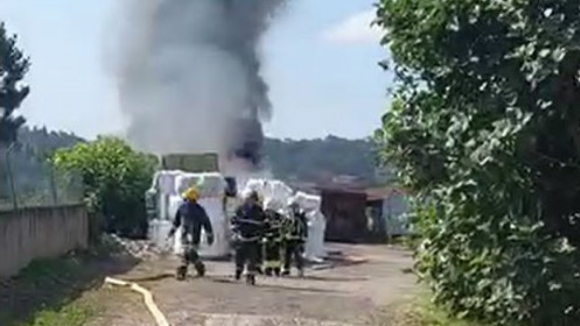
11	176
53	185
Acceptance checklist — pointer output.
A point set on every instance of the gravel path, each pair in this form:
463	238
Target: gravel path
346	292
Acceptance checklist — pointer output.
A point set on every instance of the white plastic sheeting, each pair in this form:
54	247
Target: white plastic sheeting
214	208
314	247
211	189
277	195
165	181
269	189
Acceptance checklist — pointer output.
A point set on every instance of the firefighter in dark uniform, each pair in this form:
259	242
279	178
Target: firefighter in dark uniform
295	234
192	217
248	228
273	242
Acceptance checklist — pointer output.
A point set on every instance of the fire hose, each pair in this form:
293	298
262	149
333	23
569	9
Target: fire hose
147	297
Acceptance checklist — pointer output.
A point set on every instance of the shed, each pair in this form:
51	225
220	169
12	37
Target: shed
345	214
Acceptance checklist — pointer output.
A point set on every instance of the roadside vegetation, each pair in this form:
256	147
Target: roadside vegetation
484	129
62	291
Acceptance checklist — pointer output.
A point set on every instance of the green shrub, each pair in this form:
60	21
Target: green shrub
115	179
484	127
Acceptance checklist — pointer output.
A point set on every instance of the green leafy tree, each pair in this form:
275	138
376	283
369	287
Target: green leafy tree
484	126
13	67
116	178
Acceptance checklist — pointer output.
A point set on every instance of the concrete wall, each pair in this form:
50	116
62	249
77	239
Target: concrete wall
43	232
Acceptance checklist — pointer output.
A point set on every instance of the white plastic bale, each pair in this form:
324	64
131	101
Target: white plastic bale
184	181
208	184
211	189
166	181
174	203
314	247
219	223
269	190
306	201
215	210
158	231
275	205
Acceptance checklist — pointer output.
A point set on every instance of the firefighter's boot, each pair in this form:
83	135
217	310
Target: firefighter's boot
268	271
181	273
238	274
251	279
200	269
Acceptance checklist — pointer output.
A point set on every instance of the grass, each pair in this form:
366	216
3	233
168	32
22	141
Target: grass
424	313
46	294
410	242
74	314
56	292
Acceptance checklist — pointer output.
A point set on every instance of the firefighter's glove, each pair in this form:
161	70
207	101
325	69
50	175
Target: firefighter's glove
210	239
171	233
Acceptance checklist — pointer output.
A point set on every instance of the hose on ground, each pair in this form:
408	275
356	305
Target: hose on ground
147	296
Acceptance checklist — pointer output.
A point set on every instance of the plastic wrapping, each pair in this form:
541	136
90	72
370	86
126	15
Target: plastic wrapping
211	190
269	189
208	184
314	247
219	223
278	195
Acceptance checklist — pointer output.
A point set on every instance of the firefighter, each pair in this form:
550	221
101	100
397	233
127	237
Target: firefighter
192	217
295	234
248	228
273	241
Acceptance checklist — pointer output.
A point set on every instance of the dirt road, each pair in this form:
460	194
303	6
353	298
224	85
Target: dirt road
347	292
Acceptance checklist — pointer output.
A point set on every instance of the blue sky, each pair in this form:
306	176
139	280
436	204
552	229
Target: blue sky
320	60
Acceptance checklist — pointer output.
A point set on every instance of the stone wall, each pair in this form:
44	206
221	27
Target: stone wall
41	232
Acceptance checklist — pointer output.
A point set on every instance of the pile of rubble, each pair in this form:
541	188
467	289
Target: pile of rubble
141	249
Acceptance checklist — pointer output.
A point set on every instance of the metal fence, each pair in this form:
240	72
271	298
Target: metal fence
30	180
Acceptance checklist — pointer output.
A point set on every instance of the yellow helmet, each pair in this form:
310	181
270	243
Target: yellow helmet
191	194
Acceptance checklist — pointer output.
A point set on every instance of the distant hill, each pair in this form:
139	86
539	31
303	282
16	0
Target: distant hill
289	160
43	140
321	160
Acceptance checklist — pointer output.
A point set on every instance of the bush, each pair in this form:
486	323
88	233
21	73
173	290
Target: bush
484	126
115	178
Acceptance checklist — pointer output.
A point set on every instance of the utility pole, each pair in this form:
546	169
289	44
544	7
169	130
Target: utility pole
11	176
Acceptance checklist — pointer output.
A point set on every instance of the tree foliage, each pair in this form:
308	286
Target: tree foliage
484	126
116	179
320	159
13	67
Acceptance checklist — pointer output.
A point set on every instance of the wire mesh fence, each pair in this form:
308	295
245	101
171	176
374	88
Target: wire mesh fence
28	180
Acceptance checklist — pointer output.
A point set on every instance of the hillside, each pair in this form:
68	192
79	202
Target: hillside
290	160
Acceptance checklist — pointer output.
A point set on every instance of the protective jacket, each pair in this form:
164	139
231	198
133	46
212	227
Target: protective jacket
248	223
296	226
273	226
193	217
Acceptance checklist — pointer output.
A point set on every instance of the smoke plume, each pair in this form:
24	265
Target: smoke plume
189	76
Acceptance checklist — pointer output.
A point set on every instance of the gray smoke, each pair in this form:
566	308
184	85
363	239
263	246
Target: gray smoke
189	76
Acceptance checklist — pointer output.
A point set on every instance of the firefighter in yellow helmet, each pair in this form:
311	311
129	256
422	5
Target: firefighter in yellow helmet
192	217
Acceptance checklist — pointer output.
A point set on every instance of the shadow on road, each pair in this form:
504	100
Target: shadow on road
335	278
295	288
52	284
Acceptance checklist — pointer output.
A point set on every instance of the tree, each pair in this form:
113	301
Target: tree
116	179
484	126
13	67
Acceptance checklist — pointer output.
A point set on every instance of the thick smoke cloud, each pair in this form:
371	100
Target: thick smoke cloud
189	76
